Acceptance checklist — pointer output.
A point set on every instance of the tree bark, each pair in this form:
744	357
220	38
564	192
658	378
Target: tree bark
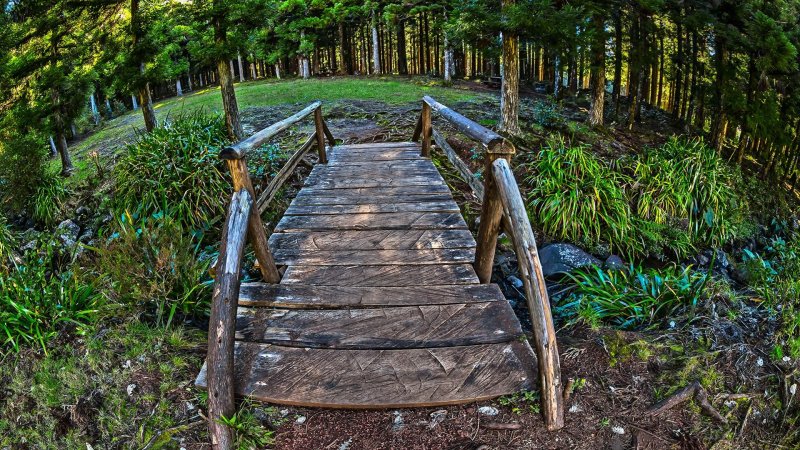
241	67
509	99
598	71
178	88
376	48
230	107
145	100
617	60
402	62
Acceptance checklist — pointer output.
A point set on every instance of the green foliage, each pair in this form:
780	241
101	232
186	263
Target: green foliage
523	401
547	113
686	180
249	432
36	303
50	199
154	264
576	196
634	297
7	245
22	168
176	168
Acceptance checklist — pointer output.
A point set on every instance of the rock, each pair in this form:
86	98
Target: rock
398	423
131	388
86	236
516	282
563	258
488	411
31	245
575	408
437	417
614	262
346	444
618	430
67	233
83	212
300	420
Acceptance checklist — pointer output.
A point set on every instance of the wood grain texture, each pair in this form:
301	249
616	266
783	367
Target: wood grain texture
382	207
401	275
375	146
377	221
240	149
372	240
368	193
380	378
460	166
298	296
364	200
428	326
377	181
384	155
374	257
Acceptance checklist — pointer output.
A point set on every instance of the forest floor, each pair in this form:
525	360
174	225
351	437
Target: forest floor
130	385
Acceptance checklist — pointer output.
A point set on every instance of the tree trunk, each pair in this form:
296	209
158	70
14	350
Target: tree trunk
229	105
146	102
53	148
509	99
95	111
617	60
277	71
402	62
557	76
148	113
134	103
178	88
241	67
598	71
721	122
376	48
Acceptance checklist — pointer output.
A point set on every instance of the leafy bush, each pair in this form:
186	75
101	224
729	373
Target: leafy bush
176	168
50	198
154	262
576	196
22	167
35	303
634	297
547	113
687	180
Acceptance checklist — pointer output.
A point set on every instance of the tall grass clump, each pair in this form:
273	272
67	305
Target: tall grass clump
153	265
36	303
50	199
632	298
688	182
7	245
175	169
574	195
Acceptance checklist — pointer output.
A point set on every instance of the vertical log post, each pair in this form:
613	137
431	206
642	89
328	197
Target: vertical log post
258	237
418	128
323	155
425	119
491	212
222	324
530	269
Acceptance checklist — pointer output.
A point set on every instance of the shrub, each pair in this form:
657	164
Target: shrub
575	196
49	200
634	297
176	168
154	263
547	113
687	180
35	303
22	168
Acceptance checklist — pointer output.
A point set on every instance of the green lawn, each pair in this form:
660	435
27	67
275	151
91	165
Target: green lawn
272	92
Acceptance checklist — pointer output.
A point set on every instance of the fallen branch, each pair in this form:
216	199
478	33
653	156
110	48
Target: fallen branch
502	426
694	390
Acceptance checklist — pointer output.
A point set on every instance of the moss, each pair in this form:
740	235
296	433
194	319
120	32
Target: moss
620	351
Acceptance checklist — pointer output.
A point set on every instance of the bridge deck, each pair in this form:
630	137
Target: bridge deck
379	305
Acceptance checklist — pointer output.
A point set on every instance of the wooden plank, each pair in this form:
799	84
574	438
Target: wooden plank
428	326
405	164
400	275
344	183
376	145
372	170
365	200
372	240
377	221
297	296
369	192
380	378
374	257
300	210
384	155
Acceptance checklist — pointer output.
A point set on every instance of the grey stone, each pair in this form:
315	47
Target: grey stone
614	262
67	233
86	236
488	411
563	258
516	282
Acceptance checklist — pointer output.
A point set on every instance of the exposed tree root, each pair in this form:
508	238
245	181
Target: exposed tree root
694	390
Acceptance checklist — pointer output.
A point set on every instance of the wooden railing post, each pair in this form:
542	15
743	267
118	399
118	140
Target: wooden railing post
323	155
425	119
258	236
221	328
491	212
530	270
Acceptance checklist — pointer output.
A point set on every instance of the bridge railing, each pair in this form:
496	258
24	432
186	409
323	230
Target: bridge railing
502	206
243	223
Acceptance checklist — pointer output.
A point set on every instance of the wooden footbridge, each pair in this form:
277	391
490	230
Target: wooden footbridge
375	293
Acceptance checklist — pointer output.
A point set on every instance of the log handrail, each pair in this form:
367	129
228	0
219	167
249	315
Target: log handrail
240	149
221	325
530	270
502	206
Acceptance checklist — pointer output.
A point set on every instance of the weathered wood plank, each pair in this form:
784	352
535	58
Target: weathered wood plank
380	378
377	221
344	183
428	326
301	210
372	240
365	200
376	145
372	170
384	155
401	275
374	257
375	191
297	296
400	164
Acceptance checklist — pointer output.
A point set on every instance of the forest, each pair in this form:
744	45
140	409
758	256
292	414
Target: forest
657	156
